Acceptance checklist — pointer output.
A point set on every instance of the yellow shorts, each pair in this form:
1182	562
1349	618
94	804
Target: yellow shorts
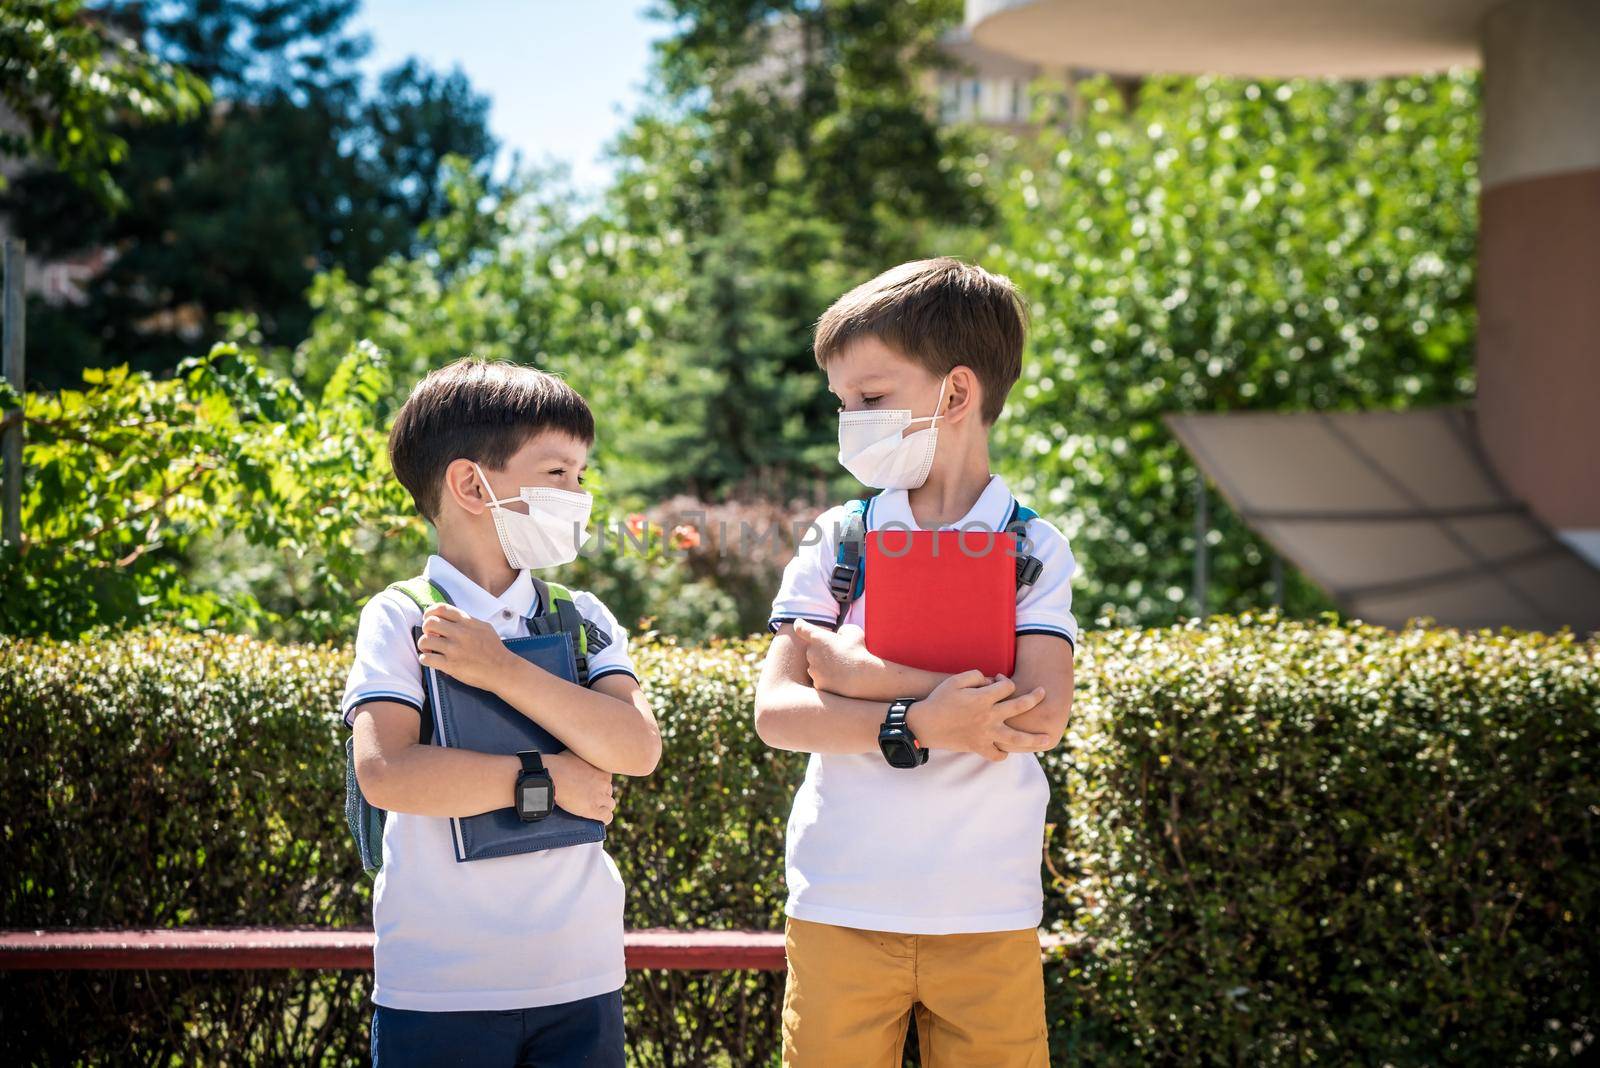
978	998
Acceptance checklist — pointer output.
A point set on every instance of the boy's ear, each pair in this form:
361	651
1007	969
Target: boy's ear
463	486
964	394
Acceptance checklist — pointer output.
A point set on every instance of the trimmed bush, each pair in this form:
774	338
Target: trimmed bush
160	778
1270	842
1292	844
164	779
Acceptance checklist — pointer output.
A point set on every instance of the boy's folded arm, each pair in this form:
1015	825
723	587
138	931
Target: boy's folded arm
397	773
1045	661
792	714
610	724
840	663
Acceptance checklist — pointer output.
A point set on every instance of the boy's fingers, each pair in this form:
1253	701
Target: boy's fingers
1000	688
1026	741
970	678
436	638
1022	701
805	630
437	625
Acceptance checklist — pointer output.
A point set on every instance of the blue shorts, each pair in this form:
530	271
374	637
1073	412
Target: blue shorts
586	1032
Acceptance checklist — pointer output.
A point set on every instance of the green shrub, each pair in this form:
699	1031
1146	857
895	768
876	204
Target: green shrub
1290	844
160	778
1270	842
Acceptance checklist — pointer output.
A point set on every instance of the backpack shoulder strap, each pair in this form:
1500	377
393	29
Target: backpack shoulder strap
849	558
425	593
1029	567
559	612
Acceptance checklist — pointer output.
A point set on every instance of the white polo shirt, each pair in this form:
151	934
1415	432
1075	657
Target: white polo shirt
504	933
952	847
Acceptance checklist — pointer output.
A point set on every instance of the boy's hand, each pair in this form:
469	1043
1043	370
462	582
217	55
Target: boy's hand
581	788
464	648
838	661
967	713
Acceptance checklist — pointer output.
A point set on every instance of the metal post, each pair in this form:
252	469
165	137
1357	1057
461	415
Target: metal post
14	345
1202	551
1277	580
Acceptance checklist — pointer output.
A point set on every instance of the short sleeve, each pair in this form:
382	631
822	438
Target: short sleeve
386	666
614	659
803	593
1046	606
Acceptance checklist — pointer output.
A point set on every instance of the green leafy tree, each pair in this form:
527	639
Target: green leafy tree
72	81
129	476
793	153
295	170
1225	245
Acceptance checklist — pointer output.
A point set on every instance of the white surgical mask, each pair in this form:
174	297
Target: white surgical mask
872	448
550	534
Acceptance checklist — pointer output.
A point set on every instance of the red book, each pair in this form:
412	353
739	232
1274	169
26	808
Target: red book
943	600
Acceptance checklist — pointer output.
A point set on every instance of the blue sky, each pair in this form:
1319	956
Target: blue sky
563	74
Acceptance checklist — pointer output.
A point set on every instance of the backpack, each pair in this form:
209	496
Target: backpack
850	565
557	614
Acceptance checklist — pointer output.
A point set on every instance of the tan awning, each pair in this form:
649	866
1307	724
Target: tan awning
1396	514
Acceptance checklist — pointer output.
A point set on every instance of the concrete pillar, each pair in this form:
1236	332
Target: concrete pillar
1539	261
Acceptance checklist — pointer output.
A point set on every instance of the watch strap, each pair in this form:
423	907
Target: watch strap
895	722
532	763
898	710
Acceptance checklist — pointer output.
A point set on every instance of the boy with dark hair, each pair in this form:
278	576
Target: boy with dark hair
514	959
914	885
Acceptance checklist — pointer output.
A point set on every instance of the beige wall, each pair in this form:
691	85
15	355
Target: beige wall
1539	260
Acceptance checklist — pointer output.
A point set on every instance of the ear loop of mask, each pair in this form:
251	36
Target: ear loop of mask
496	502
933	420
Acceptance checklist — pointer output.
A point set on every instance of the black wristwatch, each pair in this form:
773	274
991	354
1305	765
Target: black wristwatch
895	740
536	792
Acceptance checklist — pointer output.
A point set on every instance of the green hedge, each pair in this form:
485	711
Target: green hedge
1270	842
1334	844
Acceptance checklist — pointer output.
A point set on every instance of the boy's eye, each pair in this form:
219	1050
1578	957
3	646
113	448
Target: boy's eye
870	401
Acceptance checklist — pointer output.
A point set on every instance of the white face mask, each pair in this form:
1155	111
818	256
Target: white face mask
872	448
550	534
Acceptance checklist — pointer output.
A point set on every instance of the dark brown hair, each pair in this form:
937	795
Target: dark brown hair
478	410
939	313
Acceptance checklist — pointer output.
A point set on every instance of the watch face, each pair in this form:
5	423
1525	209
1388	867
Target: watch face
899	752
533	799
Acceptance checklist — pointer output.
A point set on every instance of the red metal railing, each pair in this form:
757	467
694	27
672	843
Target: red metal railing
241	948
177	949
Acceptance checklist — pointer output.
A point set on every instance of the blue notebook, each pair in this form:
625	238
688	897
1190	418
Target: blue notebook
465	717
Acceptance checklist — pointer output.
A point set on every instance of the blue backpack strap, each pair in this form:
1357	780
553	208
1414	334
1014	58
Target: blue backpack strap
1029	568
849	558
